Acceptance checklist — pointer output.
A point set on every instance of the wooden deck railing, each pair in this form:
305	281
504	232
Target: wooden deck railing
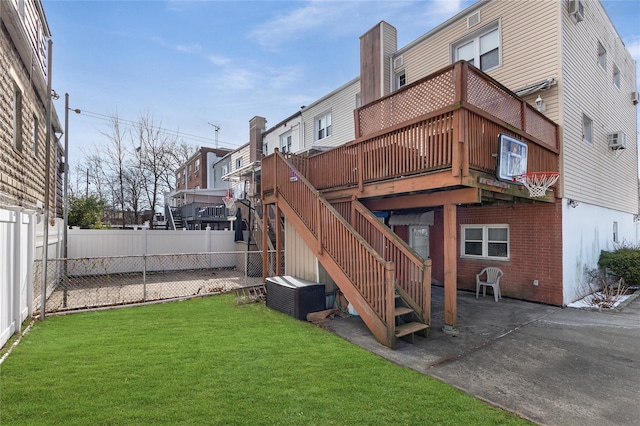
448	120
366	270
412	273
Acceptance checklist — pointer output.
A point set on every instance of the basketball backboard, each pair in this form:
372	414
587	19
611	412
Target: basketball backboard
512	158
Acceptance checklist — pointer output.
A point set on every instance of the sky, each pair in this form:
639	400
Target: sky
195	64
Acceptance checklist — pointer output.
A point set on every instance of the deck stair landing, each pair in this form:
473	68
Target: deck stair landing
369	263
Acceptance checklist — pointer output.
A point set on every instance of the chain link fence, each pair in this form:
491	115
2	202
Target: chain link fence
93	282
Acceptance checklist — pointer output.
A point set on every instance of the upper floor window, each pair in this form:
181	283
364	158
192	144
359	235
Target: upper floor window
358	100
265	149
616	76
17	119
488	241
189	168
225	170
400	79
323	126
587	129
238	163
602	56
197	166
184	177
285	142
481	49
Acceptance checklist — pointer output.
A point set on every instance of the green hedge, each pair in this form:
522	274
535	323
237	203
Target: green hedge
623	262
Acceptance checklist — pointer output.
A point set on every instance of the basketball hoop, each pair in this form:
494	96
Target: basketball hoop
537	182
230	204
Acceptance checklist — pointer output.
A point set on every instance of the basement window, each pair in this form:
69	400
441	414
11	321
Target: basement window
485	241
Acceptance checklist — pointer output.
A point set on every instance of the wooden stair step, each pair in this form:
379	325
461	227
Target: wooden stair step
412	327
403	310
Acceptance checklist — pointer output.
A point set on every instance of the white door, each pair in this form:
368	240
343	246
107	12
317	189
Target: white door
419	240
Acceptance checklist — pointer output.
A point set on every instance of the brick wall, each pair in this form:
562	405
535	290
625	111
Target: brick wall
535	237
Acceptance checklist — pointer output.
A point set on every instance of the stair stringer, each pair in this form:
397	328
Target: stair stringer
384	333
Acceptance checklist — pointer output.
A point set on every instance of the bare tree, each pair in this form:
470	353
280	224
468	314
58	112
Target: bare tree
113	159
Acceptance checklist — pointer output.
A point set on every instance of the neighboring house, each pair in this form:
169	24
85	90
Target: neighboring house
287	136
426	155
24	100
197	201
328	122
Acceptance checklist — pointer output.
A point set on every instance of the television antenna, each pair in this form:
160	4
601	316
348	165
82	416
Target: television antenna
217	129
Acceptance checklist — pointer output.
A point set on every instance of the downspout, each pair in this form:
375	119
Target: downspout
45	237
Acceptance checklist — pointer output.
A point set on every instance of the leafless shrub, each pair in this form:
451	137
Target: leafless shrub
604	291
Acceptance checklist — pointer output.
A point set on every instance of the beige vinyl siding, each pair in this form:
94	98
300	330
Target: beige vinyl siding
341	103
594	173
528	40
242	152
301	261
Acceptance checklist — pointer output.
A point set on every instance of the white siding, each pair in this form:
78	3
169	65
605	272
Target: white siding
586	230
272	137
301	262
240	153
594	173
341	103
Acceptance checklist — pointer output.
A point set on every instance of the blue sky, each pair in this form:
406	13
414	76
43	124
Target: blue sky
222	62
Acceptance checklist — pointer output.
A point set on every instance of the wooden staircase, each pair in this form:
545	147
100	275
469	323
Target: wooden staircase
387	283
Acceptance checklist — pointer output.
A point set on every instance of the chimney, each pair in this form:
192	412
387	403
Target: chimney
376	47
257	125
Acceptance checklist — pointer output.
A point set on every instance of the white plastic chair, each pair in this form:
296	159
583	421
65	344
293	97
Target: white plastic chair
493	281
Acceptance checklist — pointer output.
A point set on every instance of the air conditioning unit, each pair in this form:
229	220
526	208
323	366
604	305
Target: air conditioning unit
634	98
576	10
617	140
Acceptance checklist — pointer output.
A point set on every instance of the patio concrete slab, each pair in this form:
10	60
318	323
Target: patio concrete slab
550	365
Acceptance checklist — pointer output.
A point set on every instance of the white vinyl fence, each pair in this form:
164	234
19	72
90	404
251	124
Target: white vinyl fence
21	237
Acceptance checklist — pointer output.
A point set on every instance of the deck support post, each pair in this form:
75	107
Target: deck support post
265	235
278	241
450	269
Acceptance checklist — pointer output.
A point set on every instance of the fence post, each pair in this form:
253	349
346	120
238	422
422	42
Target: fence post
246	264
144	277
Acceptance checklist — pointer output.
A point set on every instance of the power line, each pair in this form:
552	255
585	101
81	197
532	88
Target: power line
177	133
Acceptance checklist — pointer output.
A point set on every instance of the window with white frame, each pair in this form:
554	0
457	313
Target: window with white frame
238	163
485	241
602	56
358	100
189	170
197	166
481	49
615	232
323	126
400	79
587	129
184	176
285	142
17	119
265	149
616	76
225	170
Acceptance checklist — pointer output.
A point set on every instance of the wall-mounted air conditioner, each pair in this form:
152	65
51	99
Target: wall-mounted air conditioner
634	97
617	140
576	10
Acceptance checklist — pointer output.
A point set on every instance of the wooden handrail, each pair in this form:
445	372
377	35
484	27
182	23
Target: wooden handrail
365	268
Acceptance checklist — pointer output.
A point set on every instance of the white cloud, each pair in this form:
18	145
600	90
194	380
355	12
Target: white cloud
219	60
634	47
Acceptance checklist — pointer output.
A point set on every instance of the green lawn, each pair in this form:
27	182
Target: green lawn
207	361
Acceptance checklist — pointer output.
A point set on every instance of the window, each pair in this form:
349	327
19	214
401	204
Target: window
323	126
285	142
265	149
602	57
419	240
358	100
225	170
238	163
616	76
184	177
486	241
17	119
189	168
197	166
400	79
615	232
587	129
34	136
481	48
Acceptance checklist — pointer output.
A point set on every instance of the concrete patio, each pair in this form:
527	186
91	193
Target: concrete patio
550	365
